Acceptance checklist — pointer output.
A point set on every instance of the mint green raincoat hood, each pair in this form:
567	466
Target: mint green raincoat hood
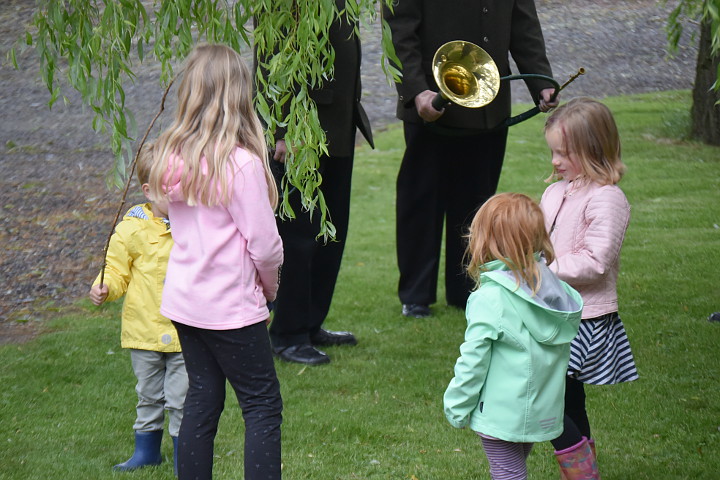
510	378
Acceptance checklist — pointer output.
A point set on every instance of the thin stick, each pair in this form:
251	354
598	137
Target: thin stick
129	180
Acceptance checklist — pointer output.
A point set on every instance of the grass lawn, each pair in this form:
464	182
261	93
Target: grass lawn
67	402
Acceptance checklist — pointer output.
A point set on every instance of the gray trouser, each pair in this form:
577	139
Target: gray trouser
162	383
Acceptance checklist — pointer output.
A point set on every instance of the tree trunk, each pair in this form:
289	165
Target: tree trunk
705	110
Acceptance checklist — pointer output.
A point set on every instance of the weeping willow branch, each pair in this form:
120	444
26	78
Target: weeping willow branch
129	180
95	47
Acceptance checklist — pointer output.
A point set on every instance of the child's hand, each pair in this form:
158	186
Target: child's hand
98	293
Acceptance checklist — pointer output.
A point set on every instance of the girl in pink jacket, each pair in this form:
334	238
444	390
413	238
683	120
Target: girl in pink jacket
587	214
223	270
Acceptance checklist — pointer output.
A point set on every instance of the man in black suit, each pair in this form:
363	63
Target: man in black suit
453	157
311	266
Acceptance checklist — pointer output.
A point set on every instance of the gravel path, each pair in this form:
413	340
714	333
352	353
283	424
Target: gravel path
55	210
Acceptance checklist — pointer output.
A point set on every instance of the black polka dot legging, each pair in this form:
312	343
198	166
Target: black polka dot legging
242	357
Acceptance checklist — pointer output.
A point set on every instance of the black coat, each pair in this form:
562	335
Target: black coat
338	100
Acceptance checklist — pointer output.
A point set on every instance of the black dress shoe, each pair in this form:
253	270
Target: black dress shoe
329	338
415	310
303	353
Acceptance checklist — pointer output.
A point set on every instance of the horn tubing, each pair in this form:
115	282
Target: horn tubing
534	111
440	102
581	71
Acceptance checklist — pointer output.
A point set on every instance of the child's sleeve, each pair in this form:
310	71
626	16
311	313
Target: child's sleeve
463	393
254	217
118	264
607	216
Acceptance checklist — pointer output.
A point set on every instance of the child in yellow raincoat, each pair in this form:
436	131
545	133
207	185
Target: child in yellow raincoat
136	264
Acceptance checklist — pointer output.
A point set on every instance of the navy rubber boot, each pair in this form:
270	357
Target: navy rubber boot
147	451
175	447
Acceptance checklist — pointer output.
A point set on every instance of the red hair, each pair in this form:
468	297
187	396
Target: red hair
509	227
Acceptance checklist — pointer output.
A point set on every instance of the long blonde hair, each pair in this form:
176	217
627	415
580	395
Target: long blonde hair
591	138
214	115
509	227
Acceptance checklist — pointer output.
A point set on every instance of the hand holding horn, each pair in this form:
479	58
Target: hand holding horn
468	76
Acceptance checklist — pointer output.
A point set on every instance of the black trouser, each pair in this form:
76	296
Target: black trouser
243	357
575	424
442	179
310	267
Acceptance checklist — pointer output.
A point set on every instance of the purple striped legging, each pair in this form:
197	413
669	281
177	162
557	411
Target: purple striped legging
506	459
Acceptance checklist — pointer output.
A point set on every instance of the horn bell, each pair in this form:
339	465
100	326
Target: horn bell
466	74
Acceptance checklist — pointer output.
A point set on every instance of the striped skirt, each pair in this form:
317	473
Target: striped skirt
600	353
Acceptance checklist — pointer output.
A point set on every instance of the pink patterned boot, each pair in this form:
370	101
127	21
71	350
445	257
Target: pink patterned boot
578	462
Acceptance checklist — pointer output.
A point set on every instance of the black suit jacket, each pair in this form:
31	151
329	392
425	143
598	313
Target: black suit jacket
500	27
338	99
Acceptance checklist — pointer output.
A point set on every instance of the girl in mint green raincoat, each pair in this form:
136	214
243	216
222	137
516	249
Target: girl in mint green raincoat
509	381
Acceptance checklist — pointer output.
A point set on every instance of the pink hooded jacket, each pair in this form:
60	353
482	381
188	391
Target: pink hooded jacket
224	265
587	224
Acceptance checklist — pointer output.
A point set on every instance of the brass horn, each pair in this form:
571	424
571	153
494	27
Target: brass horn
468	76
465	74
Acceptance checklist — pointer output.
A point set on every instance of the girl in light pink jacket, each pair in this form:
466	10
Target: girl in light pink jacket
587	214
223	270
